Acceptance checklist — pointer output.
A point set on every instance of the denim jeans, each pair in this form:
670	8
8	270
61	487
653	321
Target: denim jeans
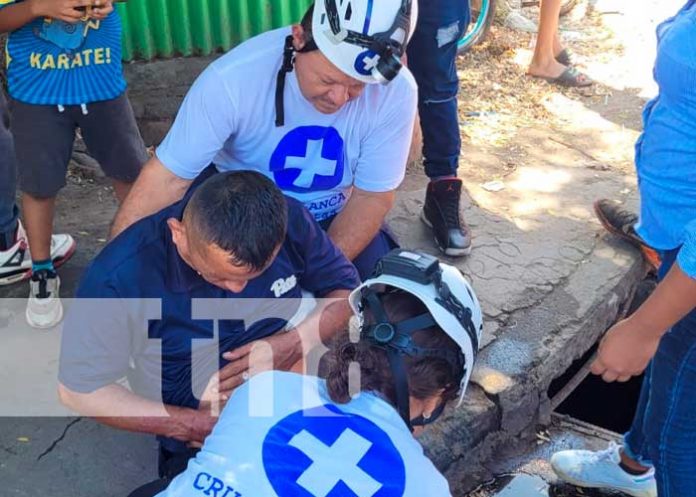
8	178
432	54
366	261
663	433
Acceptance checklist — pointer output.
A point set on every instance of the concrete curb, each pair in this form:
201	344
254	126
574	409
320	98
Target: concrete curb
514	372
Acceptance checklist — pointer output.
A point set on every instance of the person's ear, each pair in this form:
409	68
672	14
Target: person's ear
298	37
178	230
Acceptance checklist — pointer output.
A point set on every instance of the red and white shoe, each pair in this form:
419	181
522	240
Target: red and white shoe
15	262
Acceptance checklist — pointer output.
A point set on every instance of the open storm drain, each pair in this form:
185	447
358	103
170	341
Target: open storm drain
588	398
584	397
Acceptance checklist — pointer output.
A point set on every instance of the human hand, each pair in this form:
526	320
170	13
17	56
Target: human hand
281	351
202	423
101	9
70	11
625	351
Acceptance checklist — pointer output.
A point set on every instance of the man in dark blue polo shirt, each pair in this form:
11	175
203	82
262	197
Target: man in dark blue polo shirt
180	296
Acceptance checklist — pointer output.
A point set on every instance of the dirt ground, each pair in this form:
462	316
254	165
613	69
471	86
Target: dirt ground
508	117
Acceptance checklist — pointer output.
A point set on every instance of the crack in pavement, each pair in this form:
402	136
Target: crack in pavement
9	450
59	439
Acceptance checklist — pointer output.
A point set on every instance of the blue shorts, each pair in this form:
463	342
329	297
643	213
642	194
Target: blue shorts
44	137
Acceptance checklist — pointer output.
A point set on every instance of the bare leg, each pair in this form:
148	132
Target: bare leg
557	44
544	62
38	220
121	190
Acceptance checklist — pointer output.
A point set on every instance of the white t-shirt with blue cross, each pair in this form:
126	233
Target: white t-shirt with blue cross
228	118
281	435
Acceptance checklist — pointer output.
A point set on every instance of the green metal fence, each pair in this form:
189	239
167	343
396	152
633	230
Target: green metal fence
168	28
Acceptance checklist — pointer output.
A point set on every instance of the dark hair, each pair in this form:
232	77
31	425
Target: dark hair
426	375
242	212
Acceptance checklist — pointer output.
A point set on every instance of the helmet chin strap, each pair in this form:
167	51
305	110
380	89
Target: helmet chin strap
287	66
397	341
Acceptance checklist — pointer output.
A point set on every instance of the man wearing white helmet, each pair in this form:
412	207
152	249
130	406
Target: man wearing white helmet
304	106
409	353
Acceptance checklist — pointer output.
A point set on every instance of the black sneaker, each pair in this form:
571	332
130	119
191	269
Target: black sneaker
441	213
621	222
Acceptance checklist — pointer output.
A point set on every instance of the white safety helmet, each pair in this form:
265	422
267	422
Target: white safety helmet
364	38
443	289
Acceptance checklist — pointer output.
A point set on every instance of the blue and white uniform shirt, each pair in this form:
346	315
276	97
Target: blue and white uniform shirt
228	118
51	62
281	435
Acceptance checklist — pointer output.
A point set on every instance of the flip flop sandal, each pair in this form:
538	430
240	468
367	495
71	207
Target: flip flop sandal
565	57
571	78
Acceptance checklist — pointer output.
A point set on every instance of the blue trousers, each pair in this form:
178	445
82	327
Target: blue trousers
663	433
432	54
8	178
381	245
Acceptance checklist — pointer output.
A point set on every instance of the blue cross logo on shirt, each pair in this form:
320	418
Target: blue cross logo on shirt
324	452
309	159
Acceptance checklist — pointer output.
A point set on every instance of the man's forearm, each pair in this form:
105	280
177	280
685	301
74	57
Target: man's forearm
16	15
330	317
673	299
155	188
117	407
360	221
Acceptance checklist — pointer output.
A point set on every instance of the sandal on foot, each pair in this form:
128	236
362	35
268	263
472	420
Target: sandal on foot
565	57
572	78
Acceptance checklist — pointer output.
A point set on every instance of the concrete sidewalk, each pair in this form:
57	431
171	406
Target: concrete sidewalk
550	284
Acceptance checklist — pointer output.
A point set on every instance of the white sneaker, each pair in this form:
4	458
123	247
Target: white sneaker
44	309
601	470
15	262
